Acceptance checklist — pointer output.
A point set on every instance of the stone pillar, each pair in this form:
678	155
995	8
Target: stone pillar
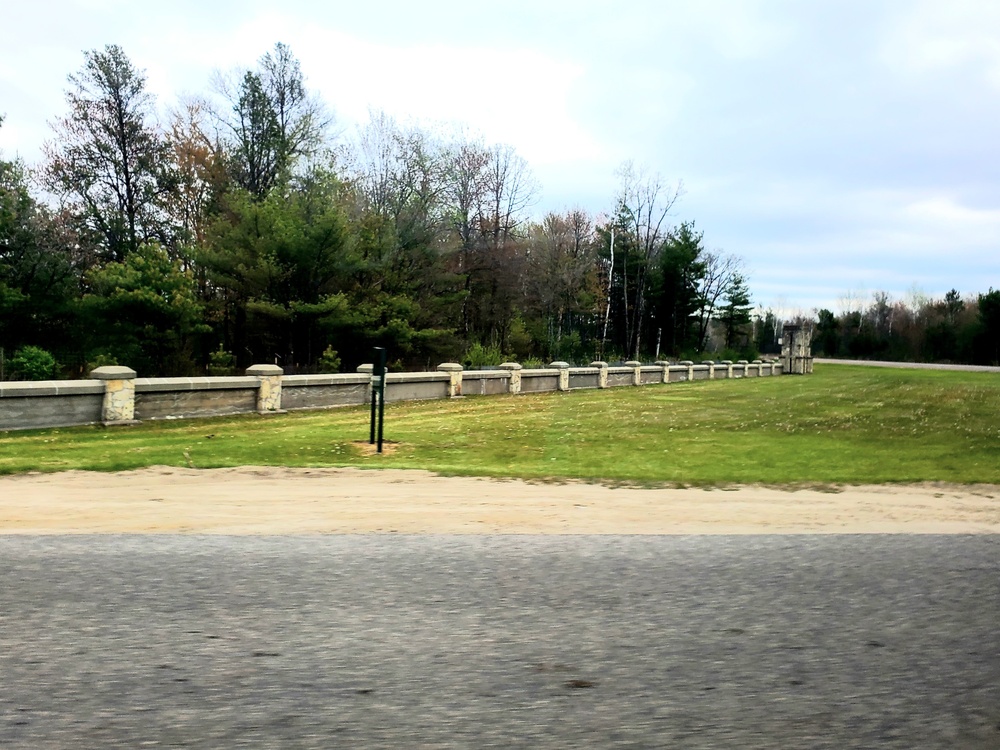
119	395
367	370
602	373
711	368
690	365
563	368
760	364
514	384
269	393
454	370
743	363
728	364
796	350
636	371
664	366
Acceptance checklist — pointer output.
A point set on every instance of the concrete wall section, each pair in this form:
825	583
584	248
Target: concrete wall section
584	377
50	403
651	375
416	386
485	382
181	398
618	376
323	391
536	381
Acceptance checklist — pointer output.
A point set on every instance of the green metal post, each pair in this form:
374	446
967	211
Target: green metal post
381	393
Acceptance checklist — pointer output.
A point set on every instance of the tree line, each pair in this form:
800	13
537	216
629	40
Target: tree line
922	329
241	230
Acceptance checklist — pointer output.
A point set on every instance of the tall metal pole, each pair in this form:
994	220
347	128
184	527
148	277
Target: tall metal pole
374	399
381	394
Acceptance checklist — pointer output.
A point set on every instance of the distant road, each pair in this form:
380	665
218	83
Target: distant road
906	365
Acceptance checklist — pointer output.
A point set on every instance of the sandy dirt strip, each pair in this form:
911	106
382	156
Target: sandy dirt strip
266	500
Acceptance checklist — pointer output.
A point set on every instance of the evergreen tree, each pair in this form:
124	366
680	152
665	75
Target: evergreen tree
735	312
680	271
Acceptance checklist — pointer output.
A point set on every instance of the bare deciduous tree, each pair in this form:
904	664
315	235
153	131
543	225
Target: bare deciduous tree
270	121
109	162
720	271
644	204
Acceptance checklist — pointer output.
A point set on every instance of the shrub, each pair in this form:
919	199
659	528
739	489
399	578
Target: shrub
221	362
329	361
478	356
33	363
102	359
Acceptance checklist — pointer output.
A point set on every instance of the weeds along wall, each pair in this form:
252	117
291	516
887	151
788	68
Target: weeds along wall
115	396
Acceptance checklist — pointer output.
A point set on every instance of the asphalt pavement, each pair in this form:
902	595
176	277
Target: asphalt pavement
504	641
907	365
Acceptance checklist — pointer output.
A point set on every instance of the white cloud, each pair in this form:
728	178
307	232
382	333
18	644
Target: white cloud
512	95
940	37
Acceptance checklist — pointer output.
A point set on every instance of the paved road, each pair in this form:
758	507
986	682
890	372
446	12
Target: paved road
530	642
906	365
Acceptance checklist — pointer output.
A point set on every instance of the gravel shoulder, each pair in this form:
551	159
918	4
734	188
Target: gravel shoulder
269	500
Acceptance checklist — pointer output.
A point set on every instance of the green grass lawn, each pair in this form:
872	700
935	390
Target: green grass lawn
842	425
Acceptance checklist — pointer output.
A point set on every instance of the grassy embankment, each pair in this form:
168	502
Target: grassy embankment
842	425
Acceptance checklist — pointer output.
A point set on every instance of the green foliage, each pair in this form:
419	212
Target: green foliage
989	320
478	356
32	363
570	348
37	276
145	311
826	339
852	425
221	363
109	161
734	315
681	268
749	353
102	359
415	243
329	361
274	123
768	331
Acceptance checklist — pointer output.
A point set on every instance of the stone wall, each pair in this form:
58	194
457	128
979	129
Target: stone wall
50	403
114	396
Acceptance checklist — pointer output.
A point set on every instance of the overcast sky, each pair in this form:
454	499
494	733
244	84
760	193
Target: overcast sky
840	147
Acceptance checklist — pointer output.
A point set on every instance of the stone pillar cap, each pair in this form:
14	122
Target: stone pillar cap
450	367
687	362
265	370
726	362
708	361
598	363
559	365
662	362
742	362
112	372
366	368
510	366
757	362
633	363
